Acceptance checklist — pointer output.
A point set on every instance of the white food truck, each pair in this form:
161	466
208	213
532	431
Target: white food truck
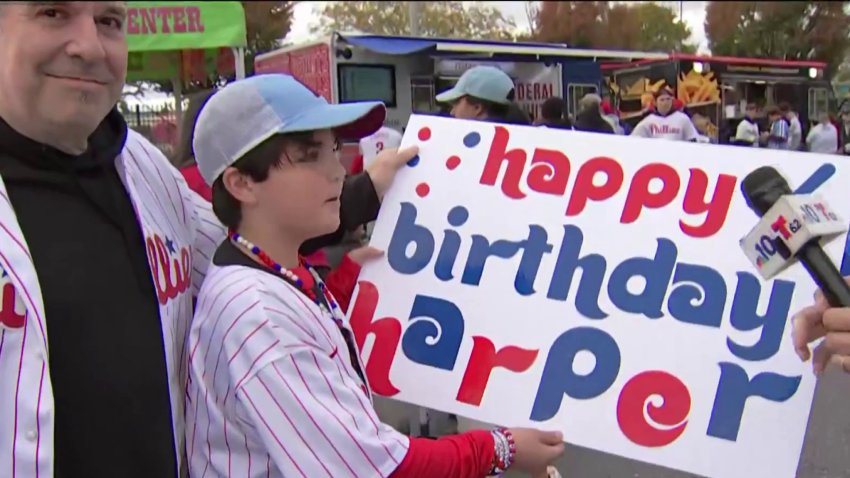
407	72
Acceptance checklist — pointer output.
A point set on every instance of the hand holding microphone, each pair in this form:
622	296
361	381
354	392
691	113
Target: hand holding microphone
794	227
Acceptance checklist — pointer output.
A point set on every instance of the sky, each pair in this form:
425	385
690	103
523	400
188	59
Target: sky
693	14
307	14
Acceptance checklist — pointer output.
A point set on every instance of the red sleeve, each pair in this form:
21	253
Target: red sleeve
468	455
357	164
342	280
196	181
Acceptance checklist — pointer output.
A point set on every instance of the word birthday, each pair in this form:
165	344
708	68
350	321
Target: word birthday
152	20
549	173
697	297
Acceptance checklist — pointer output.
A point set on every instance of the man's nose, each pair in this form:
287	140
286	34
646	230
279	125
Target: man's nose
86	42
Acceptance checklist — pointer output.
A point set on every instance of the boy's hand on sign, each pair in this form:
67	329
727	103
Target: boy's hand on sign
382	171
536	450
362	255
821	320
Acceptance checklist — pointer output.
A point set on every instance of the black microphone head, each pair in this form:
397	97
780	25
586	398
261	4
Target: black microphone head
763	187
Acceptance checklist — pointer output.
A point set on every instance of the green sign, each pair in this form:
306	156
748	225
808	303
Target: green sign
168	26
159	32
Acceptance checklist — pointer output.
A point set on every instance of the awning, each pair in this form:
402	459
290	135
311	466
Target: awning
391	45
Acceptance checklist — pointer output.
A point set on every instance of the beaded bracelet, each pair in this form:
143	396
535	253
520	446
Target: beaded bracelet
505	450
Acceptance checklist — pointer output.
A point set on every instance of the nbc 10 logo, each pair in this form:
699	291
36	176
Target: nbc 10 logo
768	246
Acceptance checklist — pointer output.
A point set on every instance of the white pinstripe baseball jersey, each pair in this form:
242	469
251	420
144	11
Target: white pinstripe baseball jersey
169	213
272	391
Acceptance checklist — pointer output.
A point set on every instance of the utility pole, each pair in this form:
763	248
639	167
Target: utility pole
413	13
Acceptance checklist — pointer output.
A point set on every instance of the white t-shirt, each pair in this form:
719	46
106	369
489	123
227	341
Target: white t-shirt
676	126
748	131
795	133
371	146
823	138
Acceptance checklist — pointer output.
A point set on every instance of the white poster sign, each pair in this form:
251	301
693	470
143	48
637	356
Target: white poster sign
592	284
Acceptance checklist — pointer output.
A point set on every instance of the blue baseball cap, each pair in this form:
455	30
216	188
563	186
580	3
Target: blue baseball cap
482	82
243	114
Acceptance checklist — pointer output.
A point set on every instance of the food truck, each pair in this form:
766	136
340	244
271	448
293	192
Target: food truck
406	73
719	87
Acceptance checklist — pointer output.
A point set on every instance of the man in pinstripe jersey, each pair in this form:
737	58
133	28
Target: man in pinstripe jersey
102	247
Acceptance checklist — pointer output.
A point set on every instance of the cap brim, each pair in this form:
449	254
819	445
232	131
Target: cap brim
350	121
449	95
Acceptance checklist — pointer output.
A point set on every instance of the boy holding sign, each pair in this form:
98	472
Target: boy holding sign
276	386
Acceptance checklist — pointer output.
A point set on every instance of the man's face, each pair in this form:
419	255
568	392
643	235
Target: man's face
751	112
64	63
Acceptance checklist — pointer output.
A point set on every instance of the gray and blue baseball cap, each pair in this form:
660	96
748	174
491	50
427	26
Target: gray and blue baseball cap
243	114
483	82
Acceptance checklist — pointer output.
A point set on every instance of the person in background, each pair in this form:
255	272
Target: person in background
703	126
184	158
839	128
484	93
747	133
795	128
823	137
516	114
371	146
665	122
553	114
590	117
610	115
778	135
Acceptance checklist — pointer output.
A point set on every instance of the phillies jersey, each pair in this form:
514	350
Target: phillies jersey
272	388
676	126
180	233
371	146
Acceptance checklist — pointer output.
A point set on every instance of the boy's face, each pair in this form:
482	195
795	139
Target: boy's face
301	197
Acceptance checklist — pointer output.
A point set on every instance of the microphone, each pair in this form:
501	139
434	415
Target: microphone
792	227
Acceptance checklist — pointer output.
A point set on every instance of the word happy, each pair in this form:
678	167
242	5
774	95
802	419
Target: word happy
550	169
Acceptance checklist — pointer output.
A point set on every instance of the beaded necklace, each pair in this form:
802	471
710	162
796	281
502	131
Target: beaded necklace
326	301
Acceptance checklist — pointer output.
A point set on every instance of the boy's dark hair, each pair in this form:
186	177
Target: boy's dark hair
784	107
255	164
772	111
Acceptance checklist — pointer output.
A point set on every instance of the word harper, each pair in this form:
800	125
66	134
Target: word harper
549	173
152	20
697	293
436	329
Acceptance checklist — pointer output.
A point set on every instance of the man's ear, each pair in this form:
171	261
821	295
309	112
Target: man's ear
239	185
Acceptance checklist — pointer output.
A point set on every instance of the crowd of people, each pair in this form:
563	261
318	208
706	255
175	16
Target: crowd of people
147	330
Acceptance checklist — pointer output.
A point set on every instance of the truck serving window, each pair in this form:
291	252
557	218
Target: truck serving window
359	82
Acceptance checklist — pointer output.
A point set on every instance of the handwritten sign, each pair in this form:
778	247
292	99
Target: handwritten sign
592	284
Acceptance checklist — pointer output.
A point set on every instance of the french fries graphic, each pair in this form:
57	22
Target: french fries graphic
698	88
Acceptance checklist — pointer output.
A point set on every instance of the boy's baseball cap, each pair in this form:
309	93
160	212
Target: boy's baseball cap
482	82
243	114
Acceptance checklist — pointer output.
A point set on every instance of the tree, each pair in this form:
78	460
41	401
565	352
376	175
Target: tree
636	26
780	30
436	19
267	23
